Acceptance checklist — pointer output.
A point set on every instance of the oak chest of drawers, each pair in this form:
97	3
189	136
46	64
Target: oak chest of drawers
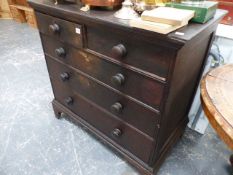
131	88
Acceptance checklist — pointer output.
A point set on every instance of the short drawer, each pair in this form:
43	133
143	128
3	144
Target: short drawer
139	116
66	31
131	51
117	131
136	85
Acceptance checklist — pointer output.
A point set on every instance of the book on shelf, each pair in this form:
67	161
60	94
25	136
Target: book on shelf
155	27
203	11
168	15
163	19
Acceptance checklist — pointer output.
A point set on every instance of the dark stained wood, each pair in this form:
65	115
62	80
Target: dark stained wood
217	101
102	3
73	13
67	31
148	90
185	79
130	139
137	54
60	109
132	112
158	75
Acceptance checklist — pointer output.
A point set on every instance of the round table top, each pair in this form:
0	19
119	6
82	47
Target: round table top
217	101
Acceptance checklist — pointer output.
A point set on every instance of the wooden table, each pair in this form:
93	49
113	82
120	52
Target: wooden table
217	102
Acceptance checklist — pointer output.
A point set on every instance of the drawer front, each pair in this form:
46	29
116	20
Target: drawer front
131	51
60	29
142	118
143	88
119	132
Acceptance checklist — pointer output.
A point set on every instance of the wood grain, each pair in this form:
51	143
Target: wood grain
21	12
139	116
5	9
217	100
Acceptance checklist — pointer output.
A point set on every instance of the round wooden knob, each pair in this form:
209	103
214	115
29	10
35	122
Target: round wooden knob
69	100
117	132
60	52
64	76
117	107
118	79
54	28
119	51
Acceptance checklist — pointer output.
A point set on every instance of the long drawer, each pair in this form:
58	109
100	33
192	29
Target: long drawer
131	50
139	116
143	88
128	50
66	31
115	129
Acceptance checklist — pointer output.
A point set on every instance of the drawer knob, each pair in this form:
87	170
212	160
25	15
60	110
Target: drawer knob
60	52
117	107
118	79
119	51
69	100
117	132
64	76
54	28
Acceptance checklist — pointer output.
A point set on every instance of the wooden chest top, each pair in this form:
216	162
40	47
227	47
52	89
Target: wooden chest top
106	19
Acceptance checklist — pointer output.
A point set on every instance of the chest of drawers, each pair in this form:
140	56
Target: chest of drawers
131	88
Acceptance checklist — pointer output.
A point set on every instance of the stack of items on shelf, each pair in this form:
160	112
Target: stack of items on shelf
174	16
163	19
204	11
